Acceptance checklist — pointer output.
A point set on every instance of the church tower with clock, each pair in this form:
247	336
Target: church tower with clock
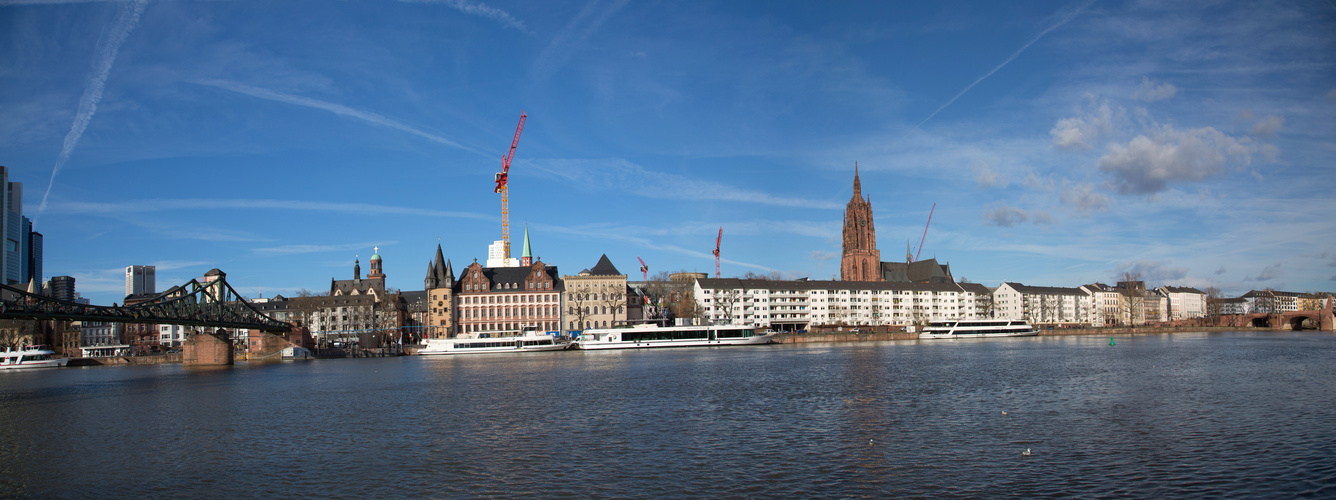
861	260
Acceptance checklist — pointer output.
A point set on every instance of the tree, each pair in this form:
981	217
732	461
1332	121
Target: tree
1213	298
578	304
1131	292
768	276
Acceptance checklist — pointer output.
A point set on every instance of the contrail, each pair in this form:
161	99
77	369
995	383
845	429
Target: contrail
337	109
481	10
1066	18
125	23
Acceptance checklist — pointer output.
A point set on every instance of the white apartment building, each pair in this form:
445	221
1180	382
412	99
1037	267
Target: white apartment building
1042	304
787	305
174	335
1184	302
1105	304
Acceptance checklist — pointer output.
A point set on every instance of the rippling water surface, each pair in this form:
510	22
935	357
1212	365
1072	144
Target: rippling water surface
1171	416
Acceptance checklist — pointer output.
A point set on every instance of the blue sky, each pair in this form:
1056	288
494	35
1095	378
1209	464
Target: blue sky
1063	142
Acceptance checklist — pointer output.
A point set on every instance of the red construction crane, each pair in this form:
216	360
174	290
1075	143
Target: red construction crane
925	232
644	268
716	251
502	186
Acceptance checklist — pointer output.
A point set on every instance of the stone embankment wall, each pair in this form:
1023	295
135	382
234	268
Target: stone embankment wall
798	338
156	359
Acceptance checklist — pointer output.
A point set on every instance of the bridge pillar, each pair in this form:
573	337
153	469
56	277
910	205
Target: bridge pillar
207	349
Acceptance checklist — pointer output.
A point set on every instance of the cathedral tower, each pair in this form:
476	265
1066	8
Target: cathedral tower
861	260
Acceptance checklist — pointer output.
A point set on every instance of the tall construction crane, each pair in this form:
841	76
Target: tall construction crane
925	232
644	268
502	186
716	251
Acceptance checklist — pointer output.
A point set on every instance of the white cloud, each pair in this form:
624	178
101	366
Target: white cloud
1149	162
1151	91
1088	127
1268	273
1002	215
1152	272
1267	127
821	255
986	178
1084	198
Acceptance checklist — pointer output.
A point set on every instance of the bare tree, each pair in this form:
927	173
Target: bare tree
578	303
1132	293
768	276
1213	298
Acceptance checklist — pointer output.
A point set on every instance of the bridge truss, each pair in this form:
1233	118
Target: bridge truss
212	303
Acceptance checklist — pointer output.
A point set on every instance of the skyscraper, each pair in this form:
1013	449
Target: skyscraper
62	288
11	225
140	280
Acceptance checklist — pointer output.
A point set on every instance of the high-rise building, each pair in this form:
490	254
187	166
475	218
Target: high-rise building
11	225
32	255
62	288
140	280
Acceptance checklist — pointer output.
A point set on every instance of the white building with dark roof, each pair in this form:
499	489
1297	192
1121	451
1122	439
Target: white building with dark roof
1184	302
789	305
1042	304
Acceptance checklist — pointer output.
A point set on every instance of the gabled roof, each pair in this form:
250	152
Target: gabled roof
604	267
975	288
735	283
1183	289
515	277
1046	290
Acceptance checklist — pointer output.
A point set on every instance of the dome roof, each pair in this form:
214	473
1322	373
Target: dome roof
376	255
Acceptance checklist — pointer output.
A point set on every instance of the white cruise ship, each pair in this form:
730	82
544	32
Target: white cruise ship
30	357
977	328
649	335
494	343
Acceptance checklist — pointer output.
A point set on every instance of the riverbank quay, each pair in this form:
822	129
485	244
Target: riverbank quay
799	338
158	359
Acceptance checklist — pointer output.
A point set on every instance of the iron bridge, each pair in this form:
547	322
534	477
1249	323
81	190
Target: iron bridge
212	303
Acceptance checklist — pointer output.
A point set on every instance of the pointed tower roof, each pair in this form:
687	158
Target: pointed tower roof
528	252
438	266
858	186
604	267
449	274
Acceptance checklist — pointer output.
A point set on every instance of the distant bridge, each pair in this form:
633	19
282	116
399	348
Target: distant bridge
212	303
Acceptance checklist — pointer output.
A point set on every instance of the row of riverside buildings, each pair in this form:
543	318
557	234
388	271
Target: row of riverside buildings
874	293
507	294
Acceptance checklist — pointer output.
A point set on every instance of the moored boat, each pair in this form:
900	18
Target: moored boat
494	343
30	357
649	336
954	329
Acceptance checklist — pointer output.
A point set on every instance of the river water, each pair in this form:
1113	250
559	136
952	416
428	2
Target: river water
1168	416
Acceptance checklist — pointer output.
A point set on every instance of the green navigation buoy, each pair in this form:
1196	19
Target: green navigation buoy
1111	341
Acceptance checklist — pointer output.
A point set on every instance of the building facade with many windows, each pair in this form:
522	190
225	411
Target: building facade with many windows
790	305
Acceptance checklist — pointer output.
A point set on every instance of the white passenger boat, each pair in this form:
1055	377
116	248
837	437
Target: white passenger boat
30	357
645	336
494	342
977	328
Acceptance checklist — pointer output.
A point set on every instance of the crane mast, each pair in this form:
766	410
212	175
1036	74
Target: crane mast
925	232
503	187
644	268
716	251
